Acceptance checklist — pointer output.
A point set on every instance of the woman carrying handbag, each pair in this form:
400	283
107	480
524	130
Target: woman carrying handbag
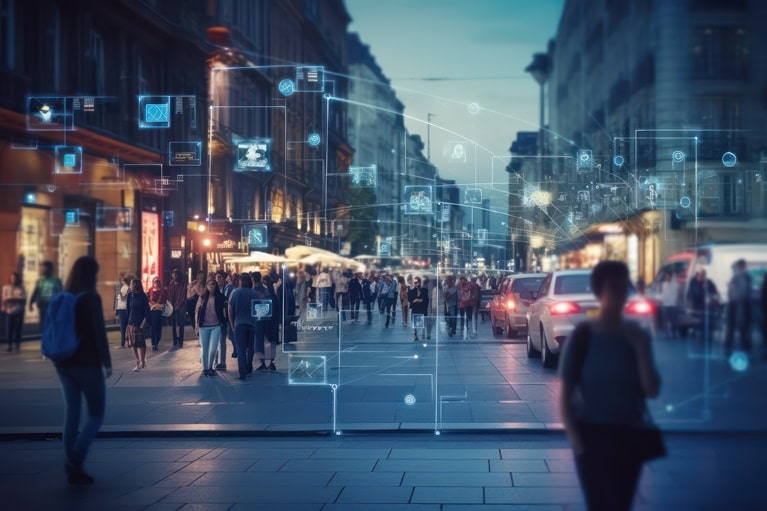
607	372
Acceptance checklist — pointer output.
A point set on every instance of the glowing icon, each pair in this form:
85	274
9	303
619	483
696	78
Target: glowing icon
678	156
70	217
685	202
410	399
739	361
584	160
156	112
69	160
458	152
261	309
253	155
473	108
618	160
729	159
313	139
286	87
45	113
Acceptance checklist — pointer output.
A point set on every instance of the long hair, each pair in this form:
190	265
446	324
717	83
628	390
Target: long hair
216	290
139	286
83	275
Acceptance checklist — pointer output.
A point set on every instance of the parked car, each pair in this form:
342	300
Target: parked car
717	260
565	299
507	309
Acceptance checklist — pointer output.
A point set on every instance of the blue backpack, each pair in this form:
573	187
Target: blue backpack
59	338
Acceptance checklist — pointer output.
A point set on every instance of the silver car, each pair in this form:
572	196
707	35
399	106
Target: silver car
508	310
565	299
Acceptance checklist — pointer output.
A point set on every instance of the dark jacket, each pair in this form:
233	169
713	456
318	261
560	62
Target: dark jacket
138	308
355	290
419	307
202	303
93	350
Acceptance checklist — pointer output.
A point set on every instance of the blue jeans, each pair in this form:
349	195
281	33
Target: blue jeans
244	338
122	314
77	382
209	338
155	321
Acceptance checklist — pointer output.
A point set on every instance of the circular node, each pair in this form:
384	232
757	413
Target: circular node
338	432
437	433
677	156
669	408
585	156
473	108
333	387
618	160
313	139
327	95
415	357
729	159
51	188
685	202
410	400
425	345
739	361
286	87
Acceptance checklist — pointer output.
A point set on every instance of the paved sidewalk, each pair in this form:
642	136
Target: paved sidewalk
451	472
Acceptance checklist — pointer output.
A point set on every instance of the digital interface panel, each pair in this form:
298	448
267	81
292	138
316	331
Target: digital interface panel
253	155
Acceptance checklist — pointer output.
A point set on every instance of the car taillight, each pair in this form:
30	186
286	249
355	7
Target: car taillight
511	305
640	307
564	308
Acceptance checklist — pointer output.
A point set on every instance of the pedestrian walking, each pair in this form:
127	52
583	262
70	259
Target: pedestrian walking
404	300
47	286
739	307
436	307
193	291
477	293
225	288
466	305
177	297
368	296
323	282
342	293
14	298
669	299
158	295
703	301
243	323
121	306
83	374
138	316
208	320
272	326
452	300
607	371
355	296
418	299
387	290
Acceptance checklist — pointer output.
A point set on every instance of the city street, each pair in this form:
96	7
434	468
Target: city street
374	379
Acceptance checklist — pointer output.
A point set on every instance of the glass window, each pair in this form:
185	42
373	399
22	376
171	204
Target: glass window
7	51
573	284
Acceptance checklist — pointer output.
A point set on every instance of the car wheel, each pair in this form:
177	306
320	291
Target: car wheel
531	351
548	358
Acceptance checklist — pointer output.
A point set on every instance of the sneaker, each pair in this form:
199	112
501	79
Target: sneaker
272	367
221	367
154	348
262	367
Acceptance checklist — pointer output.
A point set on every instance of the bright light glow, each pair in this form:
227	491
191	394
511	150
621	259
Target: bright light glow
511	305
206	243
641	307
201	228
560	308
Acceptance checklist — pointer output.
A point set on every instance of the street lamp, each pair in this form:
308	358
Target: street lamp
540	69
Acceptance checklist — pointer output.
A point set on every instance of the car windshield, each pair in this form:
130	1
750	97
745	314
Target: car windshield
528	284
573	284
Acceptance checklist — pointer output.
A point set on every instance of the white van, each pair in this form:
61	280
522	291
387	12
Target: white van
717	260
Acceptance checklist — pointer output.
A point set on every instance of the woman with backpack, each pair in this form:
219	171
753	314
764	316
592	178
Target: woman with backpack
83	373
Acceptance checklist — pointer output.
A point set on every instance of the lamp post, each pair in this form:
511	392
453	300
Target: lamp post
540	69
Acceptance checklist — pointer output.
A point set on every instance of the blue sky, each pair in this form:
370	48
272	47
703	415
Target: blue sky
483	47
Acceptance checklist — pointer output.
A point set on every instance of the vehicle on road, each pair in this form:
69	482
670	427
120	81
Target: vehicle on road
508	310
565	299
